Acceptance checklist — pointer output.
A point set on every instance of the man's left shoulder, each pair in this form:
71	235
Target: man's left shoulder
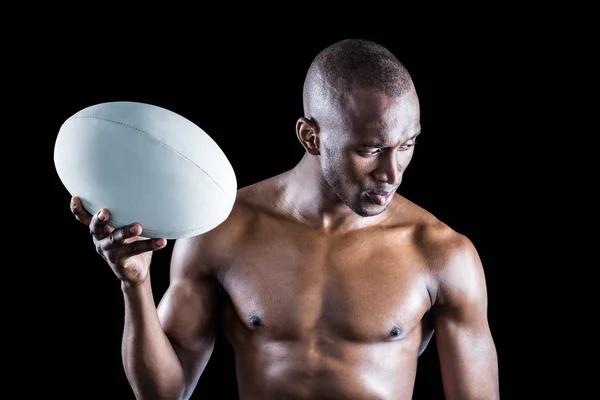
443	241
440	244
452	261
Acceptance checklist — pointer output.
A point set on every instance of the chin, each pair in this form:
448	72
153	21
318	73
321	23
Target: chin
373	211
365	209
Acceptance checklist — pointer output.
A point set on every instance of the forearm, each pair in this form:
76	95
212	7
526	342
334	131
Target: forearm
151	364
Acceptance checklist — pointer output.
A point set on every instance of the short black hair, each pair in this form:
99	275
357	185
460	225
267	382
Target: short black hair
357	64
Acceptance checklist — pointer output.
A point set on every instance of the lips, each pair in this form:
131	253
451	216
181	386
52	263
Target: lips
380	198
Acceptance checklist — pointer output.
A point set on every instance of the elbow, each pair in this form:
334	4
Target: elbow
158	388
160	393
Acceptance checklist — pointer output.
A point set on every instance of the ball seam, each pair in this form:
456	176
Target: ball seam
156	140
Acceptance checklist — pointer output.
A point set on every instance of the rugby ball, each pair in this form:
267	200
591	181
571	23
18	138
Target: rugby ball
145	164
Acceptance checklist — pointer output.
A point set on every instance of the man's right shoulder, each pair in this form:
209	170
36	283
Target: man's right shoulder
260	197
252	202
204	253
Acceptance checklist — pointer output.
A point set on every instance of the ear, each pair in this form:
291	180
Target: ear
308	134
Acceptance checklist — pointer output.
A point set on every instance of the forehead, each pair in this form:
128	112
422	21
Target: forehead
371	115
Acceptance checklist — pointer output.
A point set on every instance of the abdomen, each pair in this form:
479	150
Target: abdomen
322	369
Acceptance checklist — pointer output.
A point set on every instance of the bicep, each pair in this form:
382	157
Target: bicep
464	341
187	311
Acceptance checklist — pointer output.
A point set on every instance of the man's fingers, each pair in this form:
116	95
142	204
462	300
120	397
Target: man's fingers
98	224
118	236
142	246
79	212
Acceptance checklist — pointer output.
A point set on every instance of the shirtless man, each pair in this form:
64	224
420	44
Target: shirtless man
327	282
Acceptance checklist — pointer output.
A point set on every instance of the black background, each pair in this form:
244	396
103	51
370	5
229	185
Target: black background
245	91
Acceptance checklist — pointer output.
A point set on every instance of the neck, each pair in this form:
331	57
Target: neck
309	198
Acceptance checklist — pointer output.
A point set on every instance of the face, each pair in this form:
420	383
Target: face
366	143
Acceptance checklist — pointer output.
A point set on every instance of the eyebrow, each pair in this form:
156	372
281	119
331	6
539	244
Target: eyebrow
379	145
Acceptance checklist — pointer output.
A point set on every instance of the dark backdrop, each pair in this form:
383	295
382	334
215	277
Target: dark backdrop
246	93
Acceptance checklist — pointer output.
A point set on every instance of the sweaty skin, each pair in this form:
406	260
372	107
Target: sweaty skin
328	284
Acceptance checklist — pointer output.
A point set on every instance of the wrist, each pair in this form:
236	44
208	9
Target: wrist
132	287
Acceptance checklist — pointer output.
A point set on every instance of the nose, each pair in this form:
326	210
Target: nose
389	170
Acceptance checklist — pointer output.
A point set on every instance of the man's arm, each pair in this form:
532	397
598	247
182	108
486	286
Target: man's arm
165	350
466	348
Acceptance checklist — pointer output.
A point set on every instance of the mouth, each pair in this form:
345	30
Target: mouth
380	198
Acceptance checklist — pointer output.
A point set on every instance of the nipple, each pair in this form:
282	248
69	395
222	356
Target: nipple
396	331
254	320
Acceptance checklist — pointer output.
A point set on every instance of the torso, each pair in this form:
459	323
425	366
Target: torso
324	315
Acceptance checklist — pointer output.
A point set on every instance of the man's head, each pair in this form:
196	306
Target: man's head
361	117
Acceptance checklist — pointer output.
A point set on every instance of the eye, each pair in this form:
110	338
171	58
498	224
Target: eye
406	146
368	153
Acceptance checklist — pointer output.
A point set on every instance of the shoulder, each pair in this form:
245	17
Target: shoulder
207	251
256	201
451	258
435	239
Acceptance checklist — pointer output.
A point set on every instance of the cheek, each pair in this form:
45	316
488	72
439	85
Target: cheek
404	158
361	167
345	168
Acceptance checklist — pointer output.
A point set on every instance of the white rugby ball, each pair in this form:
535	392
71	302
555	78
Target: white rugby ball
145	164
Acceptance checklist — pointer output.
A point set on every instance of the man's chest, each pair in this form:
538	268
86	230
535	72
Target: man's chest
356	287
